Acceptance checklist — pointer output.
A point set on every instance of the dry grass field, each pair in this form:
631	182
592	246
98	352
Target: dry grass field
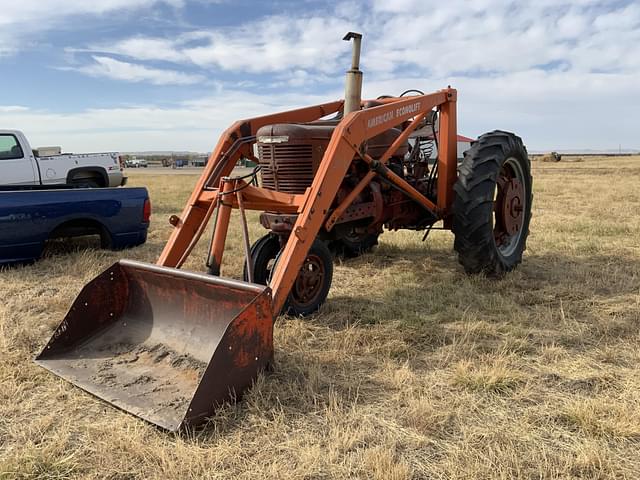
411	370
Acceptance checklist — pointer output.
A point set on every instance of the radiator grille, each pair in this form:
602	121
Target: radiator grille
286	168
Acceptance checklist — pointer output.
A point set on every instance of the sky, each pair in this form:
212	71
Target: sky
133	75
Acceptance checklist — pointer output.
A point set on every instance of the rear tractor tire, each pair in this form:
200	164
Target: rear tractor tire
492	206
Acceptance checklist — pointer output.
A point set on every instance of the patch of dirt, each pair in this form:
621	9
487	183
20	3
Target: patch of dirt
146	378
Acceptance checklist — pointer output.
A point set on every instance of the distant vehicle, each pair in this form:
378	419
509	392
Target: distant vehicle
137	163
199	161
20	165
551	157
31	215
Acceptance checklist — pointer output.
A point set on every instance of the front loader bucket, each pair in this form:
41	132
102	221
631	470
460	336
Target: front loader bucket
166	345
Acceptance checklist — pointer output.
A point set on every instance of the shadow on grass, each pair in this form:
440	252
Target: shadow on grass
524	306
573	301
60	247
437	294
68	248
436	275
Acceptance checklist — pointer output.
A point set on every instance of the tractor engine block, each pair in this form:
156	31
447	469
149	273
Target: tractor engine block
289	156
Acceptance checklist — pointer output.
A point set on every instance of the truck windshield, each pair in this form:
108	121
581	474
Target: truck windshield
9	147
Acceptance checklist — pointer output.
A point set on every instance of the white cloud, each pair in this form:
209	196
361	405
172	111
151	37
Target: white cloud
13	108
553	70
548	109
141	48
503	37
275	44
272	44
194	125
432	38
129	72
21	21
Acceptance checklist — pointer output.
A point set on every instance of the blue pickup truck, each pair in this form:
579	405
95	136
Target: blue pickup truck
29	216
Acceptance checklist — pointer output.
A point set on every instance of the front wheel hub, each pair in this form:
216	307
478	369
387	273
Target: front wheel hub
309	281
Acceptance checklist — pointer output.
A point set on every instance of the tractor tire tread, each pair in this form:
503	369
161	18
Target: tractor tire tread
474	199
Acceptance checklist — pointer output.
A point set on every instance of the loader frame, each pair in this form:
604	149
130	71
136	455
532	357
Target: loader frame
216	192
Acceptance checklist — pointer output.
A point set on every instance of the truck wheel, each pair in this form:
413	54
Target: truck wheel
106	241
492	206
263	255
86	183
313	282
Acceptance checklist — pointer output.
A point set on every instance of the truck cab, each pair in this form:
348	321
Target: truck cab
21	165
18	165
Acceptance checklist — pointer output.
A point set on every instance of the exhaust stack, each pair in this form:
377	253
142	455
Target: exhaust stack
353	84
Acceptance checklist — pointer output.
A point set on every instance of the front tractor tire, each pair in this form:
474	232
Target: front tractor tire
313	282
492	205
263	255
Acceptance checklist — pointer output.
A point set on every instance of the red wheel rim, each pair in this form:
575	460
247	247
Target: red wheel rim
308	285
509	207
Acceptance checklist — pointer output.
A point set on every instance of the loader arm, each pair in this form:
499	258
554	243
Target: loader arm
347	140
234	143
314	206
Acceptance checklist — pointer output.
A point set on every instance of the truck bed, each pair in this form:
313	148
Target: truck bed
31	215
81	156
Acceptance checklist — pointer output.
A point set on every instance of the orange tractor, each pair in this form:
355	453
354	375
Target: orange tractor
170	345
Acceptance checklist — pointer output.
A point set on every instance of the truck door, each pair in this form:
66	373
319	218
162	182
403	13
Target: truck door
17	167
